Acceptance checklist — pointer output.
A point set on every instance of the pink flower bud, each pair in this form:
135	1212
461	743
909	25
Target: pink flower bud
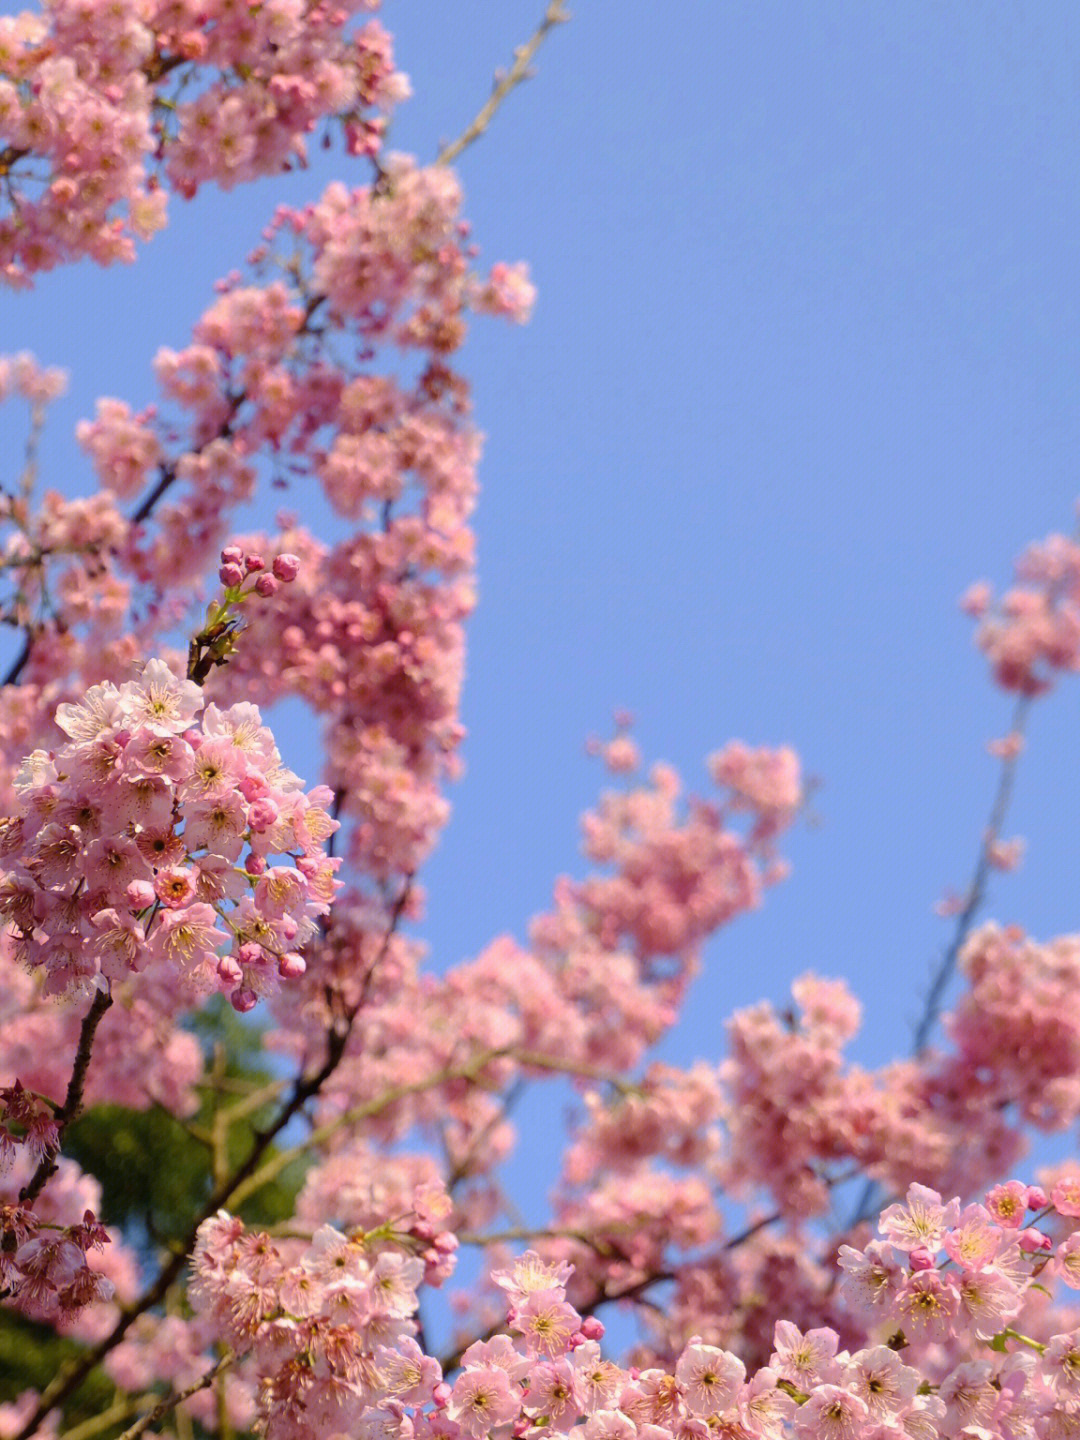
592	1328
286	567
291	966
251	954
445	1242
229	971
1037	1198
921	1259
232	555
263	814
231	575
140	894
441	1395
255	864
1032	1240
243	1000
253	563
266	586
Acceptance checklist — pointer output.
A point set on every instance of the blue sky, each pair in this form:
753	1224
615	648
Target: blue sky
802	367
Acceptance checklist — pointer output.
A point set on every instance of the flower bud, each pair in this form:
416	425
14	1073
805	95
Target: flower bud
231	576
263	814
266	586
140	894
229	970
286	567
232	555
1037	1197
1032	1241
921	1259
253	563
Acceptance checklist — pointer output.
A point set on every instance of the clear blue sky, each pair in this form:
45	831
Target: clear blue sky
803	366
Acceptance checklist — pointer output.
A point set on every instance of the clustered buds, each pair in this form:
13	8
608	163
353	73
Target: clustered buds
215	643
236	568
151	839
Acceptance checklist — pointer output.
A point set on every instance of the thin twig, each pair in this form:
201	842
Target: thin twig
977	891
170	1402
555	14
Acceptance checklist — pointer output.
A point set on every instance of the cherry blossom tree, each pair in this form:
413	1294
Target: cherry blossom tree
807	1248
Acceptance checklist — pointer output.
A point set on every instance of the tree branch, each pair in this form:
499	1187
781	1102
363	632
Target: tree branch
976	893
555	14
170	1402
73	1100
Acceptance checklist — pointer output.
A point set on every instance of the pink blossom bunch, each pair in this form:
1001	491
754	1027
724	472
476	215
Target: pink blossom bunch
329	1328
54	1268
45	1270
542	1369
1033	633
116	104
127	848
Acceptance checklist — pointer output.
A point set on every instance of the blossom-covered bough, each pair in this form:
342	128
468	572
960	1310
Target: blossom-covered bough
155	853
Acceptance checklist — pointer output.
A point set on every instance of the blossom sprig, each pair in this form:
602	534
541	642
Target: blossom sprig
242	575
151	839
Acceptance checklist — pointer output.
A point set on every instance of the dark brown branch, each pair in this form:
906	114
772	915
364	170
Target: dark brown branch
73	1099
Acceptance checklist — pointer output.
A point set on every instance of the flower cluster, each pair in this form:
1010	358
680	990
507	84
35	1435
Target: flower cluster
102	108
149	839
329	1328
329	1337
1033	633
52	1267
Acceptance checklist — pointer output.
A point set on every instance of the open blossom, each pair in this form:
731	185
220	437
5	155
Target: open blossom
802	1359
530	1273
1008	1204
881	1379
927	1303
872	1276
710	1378
921	1220
832	1413
545	1321
482	1400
